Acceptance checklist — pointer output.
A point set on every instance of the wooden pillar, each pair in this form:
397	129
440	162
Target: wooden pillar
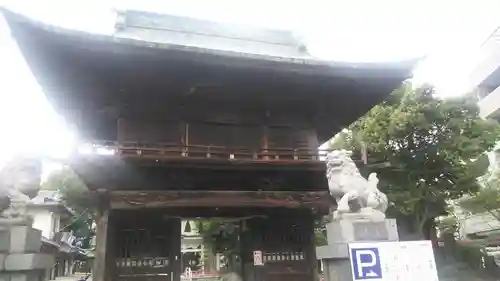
175	249
104	255
241	249
257	244
310	249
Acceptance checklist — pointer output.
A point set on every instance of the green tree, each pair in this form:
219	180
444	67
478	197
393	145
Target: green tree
320	232
223	237
75	195
434	151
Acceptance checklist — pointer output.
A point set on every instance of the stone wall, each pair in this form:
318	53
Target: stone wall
20	257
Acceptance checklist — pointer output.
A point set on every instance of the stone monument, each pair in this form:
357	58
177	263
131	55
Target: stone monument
20	257
359	216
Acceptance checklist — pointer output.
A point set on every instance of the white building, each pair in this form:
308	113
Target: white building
484	80
48	213
485	77
50	217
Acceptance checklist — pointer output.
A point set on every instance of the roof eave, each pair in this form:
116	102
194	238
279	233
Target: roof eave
400	70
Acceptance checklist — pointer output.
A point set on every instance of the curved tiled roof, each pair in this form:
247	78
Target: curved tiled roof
172	33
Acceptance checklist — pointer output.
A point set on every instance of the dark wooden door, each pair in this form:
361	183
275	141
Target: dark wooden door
287	247
148	248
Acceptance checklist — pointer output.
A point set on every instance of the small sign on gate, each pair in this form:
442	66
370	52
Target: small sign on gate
257	258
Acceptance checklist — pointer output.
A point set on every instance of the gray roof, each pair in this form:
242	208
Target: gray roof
209	35
46	197
187	35
62	60
49	199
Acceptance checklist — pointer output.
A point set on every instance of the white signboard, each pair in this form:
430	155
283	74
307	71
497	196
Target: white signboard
393	261
257	258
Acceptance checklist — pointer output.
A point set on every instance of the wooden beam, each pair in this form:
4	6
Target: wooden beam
318	200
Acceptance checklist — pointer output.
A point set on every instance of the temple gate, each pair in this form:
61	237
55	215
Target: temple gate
185	118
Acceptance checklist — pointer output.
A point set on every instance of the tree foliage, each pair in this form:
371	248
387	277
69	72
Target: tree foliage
434	148
222	237
75	195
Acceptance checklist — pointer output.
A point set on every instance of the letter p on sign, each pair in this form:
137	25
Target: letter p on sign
366	264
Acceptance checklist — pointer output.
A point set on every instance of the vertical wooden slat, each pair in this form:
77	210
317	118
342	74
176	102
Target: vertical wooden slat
310	247
259	234
101	266
119	129
110	246
186	136
265	141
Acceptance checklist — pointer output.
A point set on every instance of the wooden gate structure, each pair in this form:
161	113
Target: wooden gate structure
189	118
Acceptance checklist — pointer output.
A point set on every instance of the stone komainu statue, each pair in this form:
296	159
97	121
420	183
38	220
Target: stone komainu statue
354	194
19	183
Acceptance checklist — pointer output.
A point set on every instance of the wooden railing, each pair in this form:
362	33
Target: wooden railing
173	150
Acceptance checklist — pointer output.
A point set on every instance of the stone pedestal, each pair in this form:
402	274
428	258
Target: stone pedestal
335	255
20	257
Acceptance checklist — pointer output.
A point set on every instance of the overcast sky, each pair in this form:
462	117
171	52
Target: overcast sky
447	31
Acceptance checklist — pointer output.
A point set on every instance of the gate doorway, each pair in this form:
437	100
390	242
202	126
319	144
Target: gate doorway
148	243
147	247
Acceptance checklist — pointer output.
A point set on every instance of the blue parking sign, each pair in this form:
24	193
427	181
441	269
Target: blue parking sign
366	263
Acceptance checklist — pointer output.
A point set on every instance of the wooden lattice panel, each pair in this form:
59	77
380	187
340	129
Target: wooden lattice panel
147	248
285	240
